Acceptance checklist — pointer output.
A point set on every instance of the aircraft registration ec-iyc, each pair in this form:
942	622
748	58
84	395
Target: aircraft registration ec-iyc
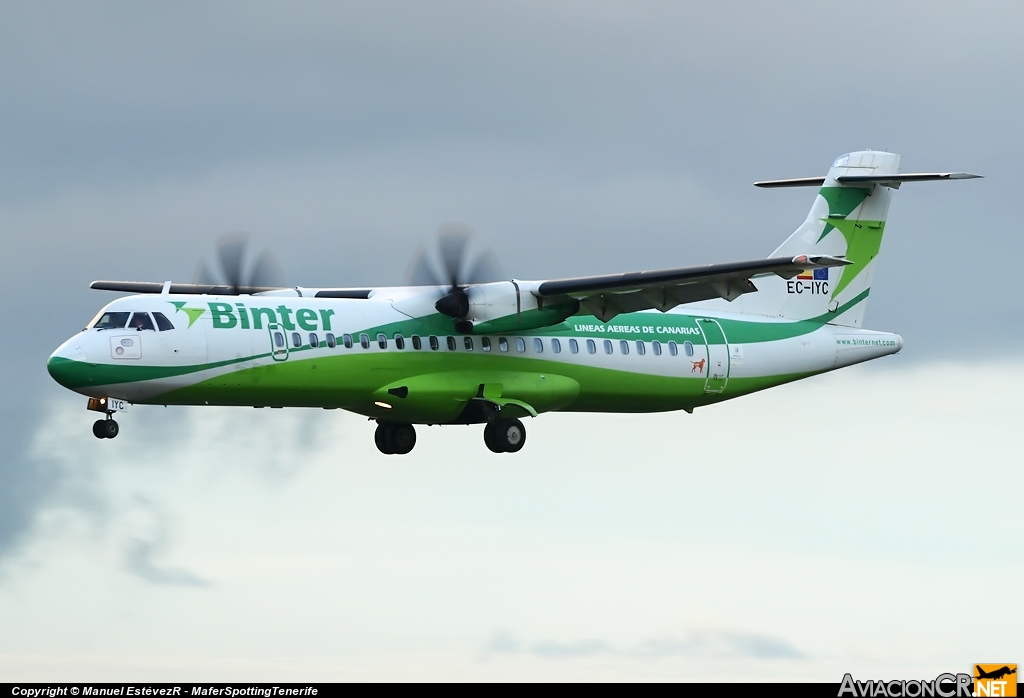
463	349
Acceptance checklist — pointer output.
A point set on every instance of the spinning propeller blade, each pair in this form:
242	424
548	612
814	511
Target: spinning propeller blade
262	274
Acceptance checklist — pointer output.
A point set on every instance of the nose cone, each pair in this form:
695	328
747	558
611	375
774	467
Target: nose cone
67	365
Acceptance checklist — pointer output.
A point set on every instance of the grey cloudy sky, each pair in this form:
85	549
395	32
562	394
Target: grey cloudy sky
575	137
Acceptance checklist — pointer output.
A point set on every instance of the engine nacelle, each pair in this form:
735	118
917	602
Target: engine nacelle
509	306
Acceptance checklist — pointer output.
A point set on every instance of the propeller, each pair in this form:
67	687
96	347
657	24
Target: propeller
263	274
452	270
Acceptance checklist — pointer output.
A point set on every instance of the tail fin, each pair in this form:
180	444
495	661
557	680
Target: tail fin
847	219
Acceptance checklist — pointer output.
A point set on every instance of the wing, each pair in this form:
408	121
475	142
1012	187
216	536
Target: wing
221	289
607	296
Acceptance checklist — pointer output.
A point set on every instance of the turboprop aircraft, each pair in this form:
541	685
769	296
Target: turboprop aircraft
463	349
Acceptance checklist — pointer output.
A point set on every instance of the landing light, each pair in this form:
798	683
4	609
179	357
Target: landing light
383	404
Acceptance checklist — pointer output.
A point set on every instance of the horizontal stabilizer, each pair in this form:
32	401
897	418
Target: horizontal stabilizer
798	182
890	180
894	181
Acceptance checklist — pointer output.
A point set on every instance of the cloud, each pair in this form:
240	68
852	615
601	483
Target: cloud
150	538
721	643
847	493
699	643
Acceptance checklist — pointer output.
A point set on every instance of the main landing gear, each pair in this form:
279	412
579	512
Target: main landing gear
105	428
500	435
505	435
392	438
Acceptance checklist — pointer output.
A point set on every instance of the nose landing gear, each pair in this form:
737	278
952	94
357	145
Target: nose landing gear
105	428
505	435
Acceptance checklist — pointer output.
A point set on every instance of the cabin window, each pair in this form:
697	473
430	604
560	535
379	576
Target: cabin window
314	341
382	341
538	345
591	347
364	340
688	348
520	345
330	341
608	346
656	347
468	343
112	321
346	339
296	340
673	349
417	343
162	322
640	348
556	346
279	340
434	344
399	342
624	347
485	342
574	346
452	346
141	321
502	344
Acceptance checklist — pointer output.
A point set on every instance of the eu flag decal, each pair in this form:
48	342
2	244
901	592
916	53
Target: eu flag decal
821	274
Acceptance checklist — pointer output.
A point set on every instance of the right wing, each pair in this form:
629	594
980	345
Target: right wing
607	296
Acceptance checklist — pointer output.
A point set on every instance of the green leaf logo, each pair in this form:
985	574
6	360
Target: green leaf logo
193	313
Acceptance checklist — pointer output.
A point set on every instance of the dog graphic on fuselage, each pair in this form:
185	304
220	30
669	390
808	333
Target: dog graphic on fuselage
698	366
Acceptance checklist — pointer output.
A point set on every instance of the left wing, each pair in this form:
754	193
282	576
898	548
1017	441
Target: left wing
607	296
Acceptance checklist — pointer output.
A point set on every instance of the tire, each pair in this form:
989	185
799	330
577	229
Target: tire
382	438
99	429
492	439
110	428
403	438
512	435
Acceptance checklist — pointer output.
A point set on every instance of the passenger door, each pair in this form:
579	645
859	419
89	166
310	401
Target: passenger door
278	342
718	355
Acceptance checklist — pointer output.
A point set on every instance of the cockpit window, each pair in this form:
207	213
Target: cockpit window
111	321
162	322
141	321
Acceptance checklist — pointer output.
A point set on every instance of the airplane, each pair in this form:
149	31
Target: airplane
455	348
994	674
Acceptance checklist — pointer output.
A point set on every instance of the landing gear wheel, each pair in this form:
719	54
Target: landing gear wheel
505	435
382	437
491	439
105	429
392	438
403	438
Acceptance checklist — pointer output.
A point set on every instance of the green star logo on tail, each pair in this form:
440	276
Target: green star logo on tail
193	313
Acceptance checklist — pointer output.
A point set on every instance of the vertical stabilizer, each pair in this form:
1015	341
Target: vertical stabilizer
846	220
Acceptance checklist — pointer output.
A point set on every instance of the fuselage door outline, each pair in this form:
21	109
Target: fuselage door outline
718	355
278	342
